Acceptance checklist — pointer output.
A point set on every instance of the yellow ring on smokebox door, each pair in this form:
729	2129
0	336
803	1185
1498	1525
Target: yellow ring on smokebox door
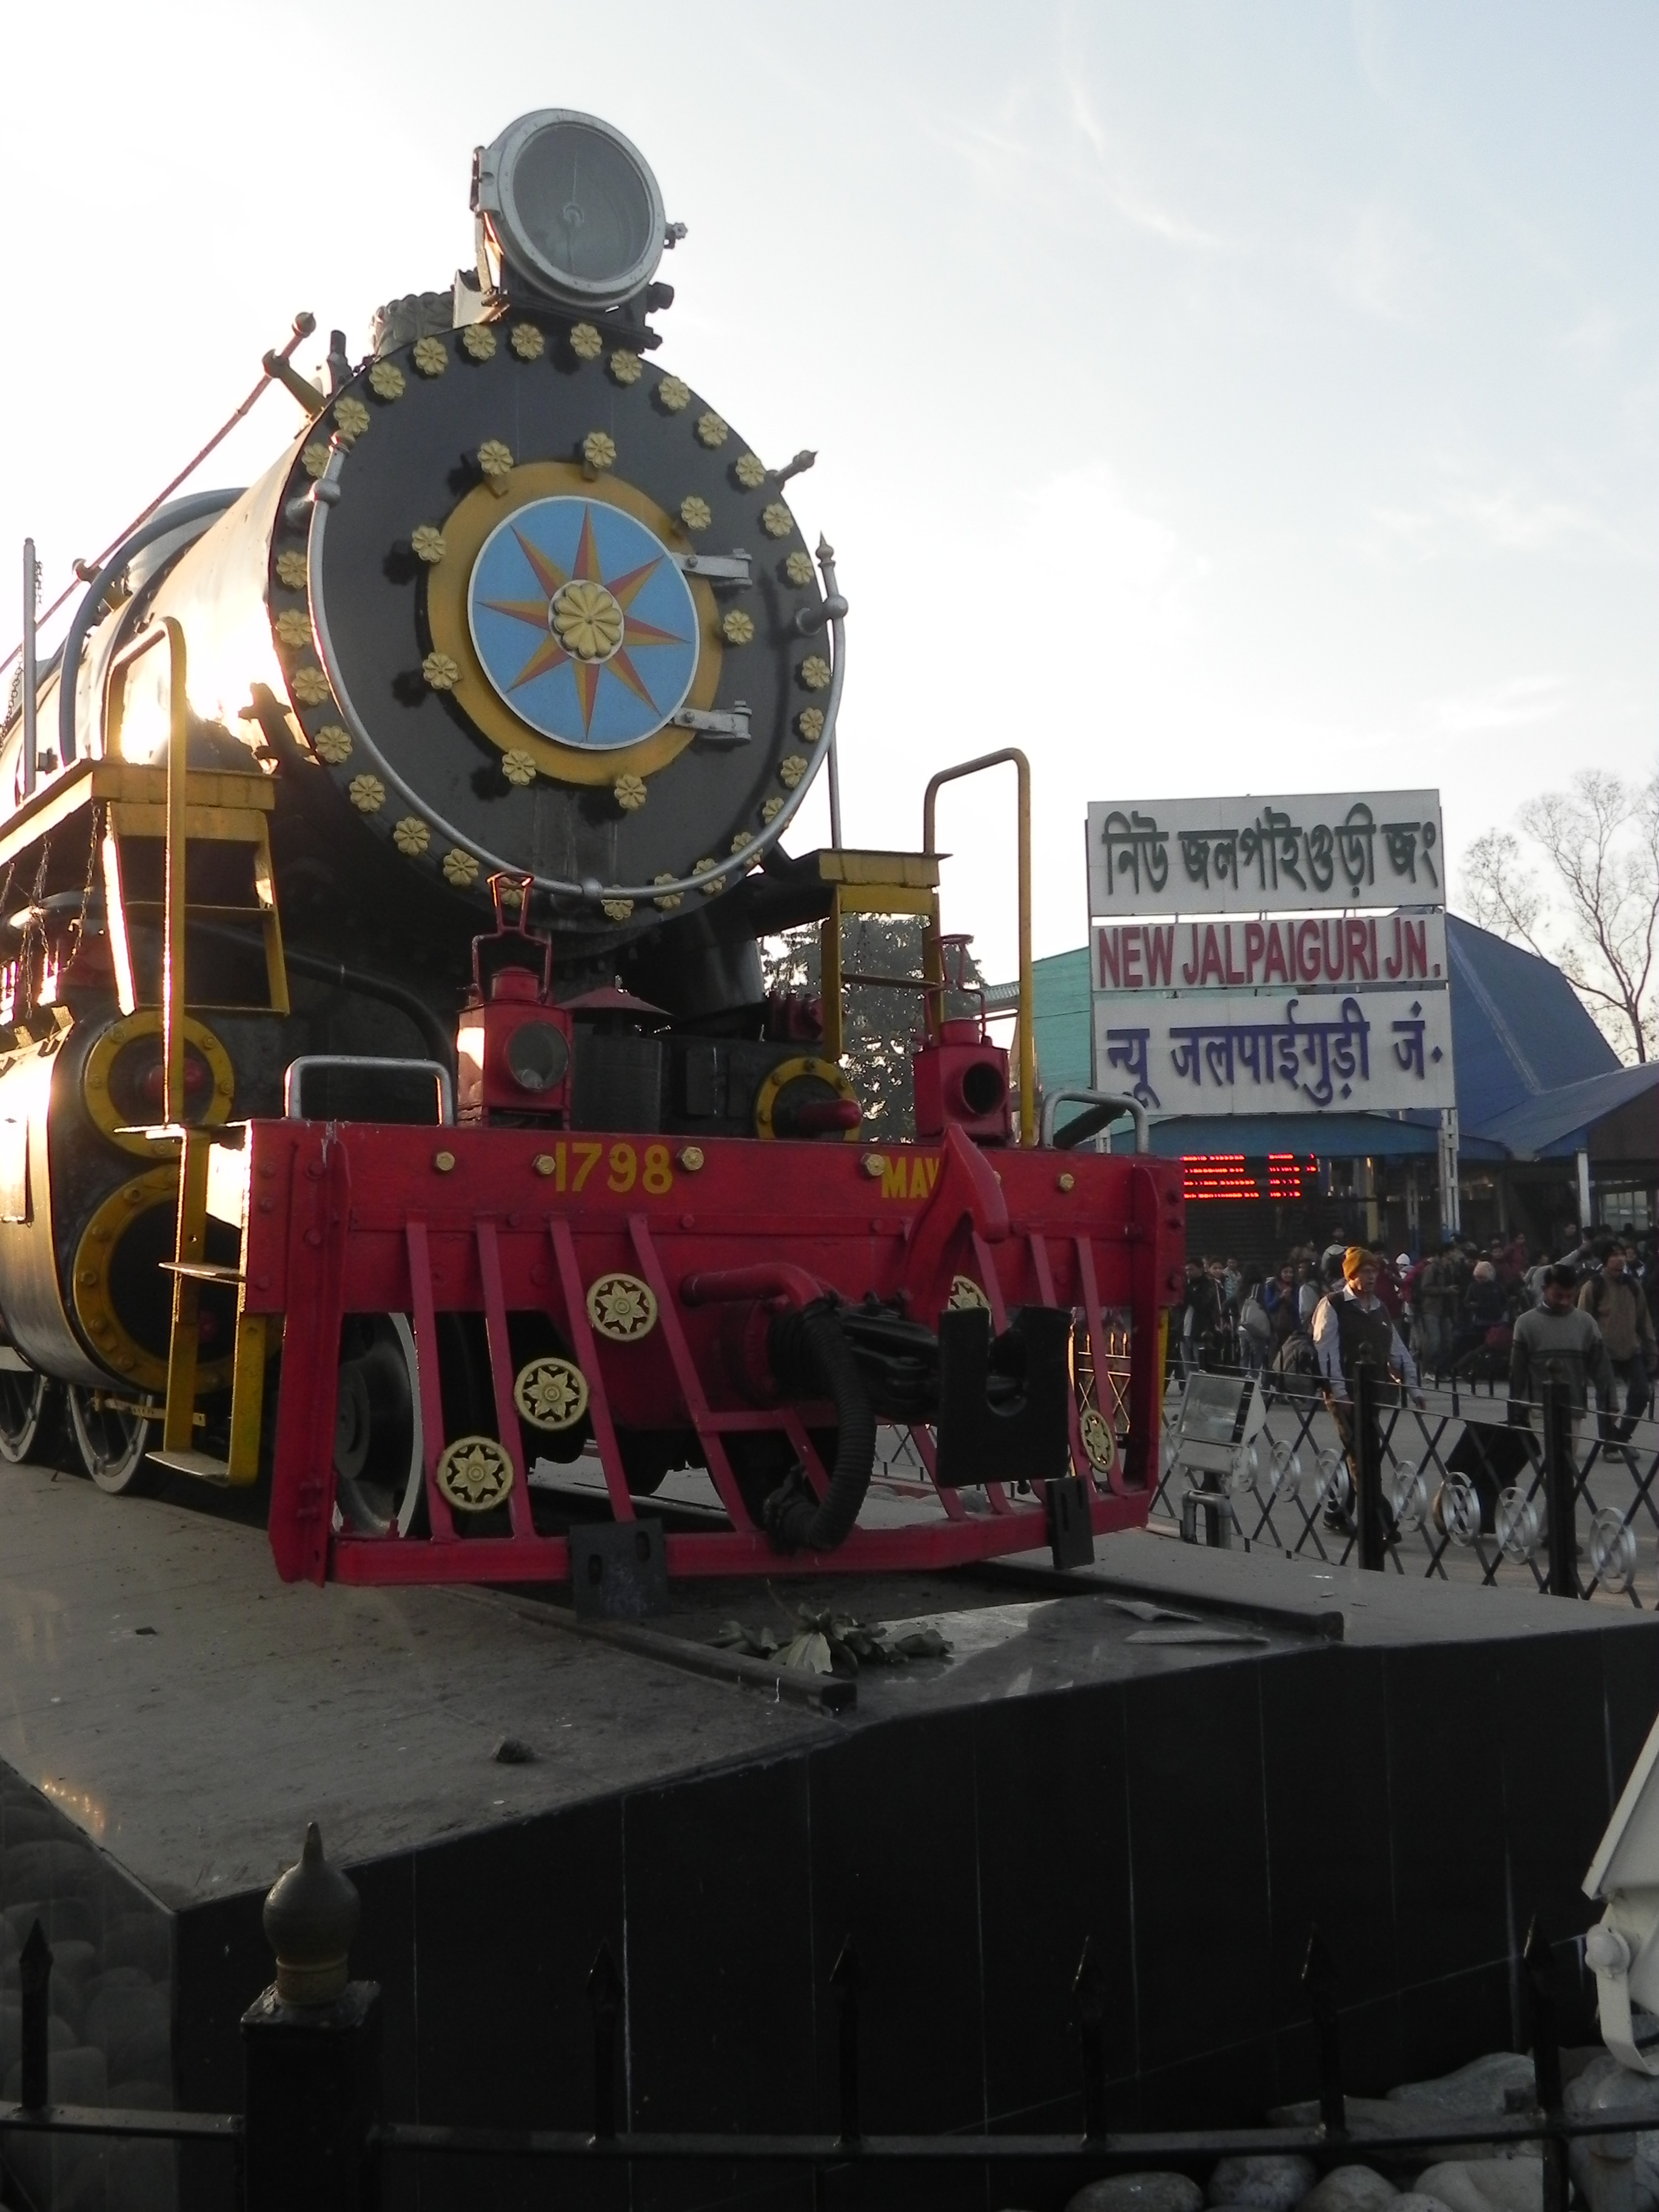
94	1257
465	530
147	1022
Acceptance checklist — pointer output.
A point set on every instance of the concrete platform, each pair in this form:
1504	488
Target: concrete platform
1416	1767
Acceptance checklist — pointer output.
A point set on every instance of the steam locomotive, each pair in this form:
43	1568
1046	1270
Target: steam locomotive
395	1114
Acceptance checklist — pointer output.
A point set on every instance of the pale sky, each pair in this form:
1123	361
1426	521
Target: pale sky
1211	395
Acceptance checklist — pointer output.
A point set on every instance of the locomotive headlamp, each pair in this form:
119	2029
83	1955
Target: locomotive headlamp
571	207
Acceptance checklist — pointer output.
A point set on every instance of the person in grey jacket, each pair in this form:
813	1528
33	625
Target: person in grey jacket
1614	1302
1559	1341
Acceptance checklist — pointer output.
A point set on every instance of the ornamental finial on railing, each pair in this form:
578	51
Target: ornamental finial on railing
311	1916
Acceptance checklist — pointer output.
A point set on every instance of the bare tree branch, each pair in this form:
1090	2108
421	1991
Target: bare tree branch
1500	892
1601	838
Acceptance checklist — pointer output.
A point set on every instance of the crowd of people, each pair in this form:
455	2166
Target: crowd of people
1588	1313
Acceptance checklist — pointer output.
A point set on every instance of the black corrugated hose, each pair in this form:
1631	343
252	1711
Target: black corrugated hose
811	1358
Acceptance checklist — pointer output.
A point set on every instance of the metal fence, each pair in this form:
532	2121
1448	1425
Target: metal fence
1468	1487
312	2133
1461	1486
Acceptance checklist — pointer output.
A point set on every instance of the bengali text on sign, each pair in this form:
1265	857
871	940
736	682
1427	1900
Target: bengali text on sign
1266	855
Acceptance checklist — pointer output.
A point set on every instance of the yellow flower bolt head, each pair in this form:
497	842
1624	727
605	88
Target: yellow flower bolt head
668	900
550	1392
527	342
442	673
315	459
744	837
815	671
475	1473
772	809
621	1307
810	723
310	686
519	767
496	459
752	471
630	794
776	519
430	356
367	794
599	449
586	342
626	366
332	744
479	341
617	909
674	393
294	626
291	570
738	627
695	513
712	430
411	836
798	568
386	380
461	868
791	771
427	543
350	419
587	619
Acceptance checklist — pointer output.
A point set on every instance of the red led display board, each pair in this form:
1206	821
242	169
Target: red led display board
1230	1175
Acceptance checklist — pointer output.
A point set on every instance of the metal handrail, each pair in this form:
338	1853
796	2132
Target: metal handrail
293	1077
1022	766
1091	1125
201	506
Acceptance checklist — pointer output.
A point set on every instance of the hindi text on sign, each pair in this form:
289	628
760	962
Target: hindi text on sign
1249	1052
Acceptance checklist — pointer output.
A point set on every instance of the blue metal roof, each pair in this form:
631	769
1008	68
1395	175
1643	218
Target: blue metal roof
1335	1136
1518	1027
1558	1122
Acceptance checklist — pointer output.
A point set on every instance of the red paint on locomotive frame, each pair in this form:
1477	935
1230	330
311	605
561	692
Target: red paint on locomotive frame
373	1218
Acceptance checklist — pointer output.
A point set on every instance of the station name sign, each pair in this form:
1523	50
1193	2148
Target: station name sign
1324	952
1250	1053
1186	856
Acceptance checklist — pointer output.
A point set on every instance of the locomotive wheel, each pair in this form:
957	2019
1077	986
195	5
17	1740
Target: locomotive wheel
111	1443
29	1414
378	1469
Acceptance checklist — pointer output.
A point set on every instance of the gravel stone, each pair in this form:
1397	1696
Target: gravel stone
1481	2086
1267	2182
1485	2184
1351	2189
1606	2085
1138	2192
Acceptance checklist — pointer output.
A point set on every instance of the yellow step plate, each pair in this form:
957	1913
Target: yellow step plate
202	1464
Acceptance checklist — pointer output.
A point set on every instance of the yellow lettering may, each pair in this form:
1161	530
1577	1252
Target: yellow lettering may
893	1178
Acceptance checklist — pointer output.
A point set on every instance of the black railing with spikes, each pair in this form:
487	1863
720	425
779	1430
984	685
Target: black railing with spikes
335	2147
